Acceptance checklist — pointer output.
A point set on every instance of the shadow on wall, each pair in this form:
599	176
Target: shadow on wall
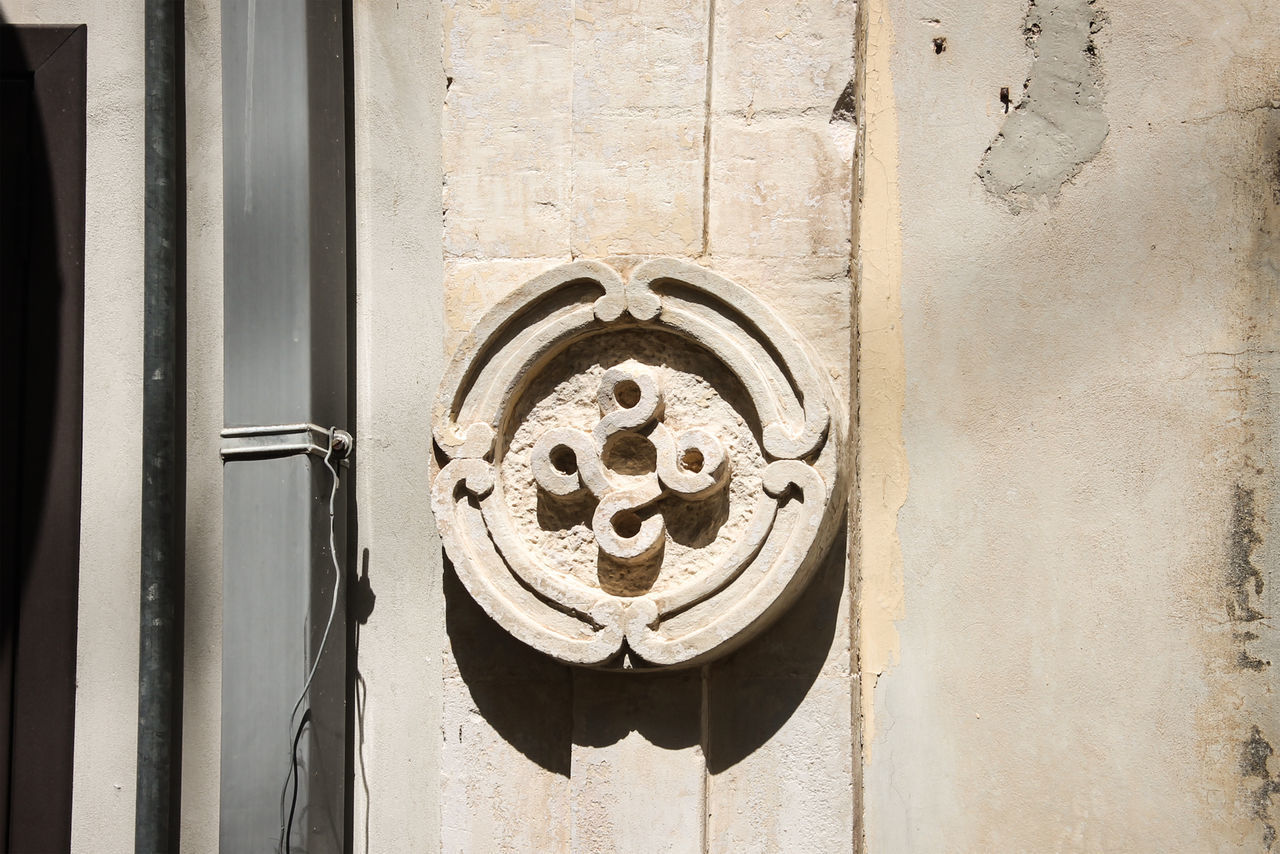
543	708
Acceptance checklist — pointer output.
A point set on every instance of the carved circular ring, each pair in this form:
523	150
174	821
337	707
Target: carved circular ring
635	471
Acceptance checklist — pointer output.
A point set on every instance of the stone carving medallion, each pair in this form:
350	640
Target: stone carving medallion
635	469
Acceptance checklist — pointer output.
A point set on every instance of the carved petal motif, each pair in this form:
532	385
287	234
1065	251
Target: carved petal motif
636	472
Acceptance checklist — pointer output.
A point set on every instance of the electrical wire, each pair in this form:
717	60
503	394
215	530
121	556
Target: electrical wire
286	824
293	803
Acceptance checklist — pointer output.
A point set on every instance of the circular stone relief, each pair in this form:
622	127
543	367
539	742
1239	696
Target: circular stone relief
635	472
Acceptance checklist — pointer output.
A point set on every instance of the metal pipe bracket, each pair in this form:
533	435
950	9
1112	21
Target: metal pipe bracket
283	440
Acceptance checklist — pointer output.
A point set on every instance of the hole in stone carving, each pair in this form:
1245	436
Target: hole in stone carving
630	454
563	459
692	460
627	523
627	393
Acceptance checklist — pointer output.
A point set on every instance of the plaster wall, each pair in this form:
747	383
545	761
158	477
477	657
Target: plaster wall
107	649
202	640
1069	318
399	91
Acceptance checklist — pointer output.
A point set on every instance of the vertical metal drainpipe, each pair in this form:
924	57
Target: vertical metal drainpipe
283	744
159	664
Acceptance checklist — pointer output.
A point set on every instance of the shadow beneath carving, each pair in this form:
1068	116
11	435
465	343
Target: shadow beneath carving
525	696
753	693
664	708
543	708
750	696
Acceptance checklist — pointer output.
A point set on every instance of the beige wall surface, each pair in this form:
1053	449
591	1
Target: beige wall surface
1069	313
107	649
399	89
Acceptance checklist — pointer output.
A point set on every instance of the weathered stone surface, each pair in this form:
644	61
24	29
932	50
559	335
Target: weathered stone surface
506	737
475	286
648	81
780	188
812	294
637	184
782	59
638	767
779	780
516	113
671	395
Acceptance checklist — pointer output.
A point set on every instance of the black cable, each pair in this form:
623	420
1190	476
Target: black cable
287	828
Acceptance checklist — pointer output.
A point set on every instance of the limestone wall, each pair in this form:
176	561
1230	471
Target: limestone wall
703	132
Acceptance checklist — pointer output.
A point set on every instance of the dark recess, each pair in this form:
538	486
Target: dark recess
42	179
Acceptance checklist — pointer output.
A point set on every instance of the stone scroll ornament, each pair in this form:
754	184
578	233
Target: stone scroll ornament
635	469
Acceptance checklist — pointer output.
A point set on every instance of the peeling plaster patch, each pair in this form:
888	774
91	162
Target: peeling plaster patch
1059	125
1244	579
1254	754
1266	249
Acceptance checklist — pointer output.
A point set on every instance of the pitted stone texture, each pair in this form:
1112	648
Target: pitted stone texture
698	391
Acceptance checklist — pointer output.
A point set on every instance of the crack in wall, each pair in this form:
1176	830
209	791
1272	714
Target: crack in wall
706	131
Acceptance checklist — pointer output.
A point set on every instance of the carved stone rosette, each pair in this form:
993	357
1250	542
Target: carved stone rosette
635	470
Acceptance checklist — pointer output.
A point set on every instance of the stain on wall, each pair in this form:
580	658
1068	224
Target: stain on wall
1253	765
1253	106
1244	580
1059	124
